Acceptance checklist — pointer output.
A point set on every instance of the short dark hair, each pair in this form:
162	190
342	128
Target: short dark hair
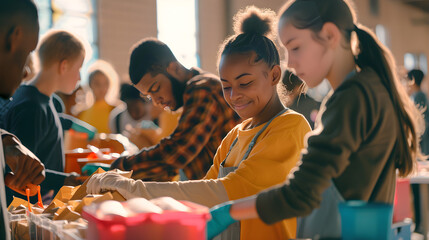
416	75
149	55
10	8
128	92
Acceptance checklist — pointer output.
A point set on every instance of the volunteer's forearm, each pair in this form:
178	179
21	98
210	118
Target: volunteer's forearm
244	208
204	192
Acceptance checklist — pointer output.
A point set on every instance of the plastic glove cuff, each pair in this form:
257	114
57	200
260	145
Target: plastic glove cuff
223	211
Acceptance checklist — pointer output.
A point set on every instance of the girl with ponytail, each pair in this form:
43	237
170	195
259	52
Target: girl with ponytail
255	155
368	128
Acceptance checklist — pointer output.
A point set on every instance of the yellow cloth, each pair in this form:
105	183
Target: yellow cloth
275	153
98	116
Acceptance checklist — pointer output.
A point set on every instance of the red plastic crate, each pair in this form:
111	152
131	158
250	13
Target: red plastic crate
402	202
168	225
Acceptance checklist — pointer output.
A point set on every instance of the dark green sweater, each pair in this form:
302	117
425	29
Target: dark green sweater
355	148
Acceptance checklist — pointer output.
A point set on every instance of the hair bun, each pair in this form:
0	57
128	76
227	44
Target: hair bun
253	20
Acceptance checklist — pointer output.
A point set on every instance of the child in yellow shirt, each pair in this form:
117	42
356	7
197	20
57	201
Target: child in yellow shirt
258	153
100	83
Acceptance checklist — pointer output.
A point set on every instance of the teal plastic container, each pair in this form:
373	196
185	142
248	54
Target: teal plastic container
90	168
363	220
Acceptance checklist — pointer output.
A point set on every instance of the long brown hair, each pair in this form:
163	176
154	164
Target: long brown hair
313	14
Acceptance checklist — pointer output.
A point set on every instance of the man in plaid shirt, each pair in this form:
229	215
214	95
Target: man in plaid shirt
205	120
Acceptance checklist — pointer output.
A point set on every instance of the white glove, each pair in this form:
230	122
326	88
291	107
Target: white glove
111	181
204	192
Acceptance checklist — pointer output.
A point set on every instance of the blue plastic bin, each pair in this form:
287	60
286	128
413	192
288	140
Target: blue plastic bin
363	220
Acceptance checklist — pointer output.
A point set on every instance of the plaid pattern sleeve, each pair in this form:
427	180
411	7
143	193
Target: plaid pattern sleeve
201	115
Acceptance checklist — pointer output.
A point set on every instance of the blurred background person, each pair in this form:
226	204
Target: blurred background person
135	112
68	120
147	136
297	98
415	78
414	81
102	81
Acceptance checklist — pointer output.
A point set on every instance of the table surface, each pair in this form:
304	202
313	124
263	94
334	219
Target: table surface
422	175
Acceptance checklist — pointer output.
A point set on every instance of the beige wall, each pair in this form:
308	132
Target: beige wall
394	15
212	31
397	18
122	23
236	5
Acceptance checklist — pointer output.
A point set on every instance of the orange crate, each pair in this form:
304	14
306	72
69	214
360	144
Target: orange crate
83	161
72	157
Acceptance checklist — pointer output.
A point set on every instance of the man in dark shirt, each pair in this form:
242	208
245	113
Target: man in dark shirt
19	31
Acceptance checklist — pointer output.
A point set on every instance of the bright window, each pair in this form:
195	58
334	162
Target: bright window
410	61
78	17
382	34
177	27
416	61
423	63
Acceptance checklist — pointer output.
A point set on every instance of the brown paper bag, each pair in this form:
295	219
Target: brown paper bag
106	196
54	204
21	209
73	204
67	214
81	192
21	231
95	199
85	202
16	202
118	197
37	210
66	192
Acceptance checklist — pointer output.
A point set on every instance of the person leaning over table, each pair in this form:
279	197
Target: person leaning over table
205	120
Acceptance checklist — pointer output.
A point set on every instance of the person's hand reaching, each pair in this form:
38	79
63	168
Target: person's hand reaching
27	170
